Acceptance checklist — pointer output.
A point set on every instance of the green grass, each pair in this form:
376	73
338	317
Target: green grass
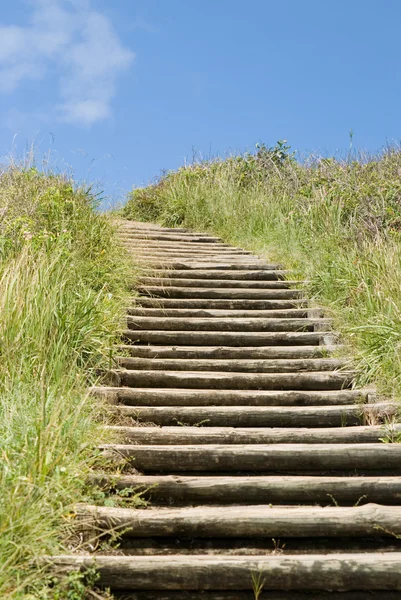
337	223
63	287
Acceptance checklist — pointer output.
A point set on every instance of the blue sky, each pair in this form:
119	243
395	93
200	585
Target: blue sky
119	90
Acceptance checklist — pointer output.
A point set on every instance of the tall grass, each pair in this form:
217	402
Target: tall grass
62	287
336	223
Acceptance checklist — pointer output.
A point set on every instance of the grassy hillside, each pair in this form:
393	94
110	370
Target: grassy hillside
336	223
62	287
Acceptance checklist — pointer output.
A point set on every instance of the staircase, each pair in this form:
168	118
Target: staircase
265	470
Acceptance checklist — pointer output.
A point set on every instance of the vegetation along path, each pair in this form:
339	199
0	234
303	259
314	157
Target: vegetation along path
266	471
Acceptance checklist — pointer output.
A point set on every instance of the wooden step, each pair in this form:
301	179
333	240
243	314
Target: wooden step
239	489
229	352
226	324
358	571
196	254
245	398
173	237
262	457
226	274
149	243
289	313
217	283
315	380
141	227
232	365
224	293
223	304
193	266
252	435
260	416
150	257
243	595
229	338
369	520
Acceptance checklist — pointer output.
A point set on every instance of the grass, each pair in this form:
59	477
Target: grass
62	292
336	223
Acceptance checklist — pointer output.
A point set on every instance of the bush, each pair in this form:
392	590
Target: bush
62	289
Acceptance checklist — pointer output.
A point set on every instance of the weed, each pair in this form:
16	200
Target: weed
258	582
62	292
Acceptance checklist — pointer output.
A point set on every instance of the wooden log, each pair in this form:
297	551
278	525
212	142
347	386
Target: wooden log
369	520
133	227
175	237
244	398
359	571
289	313
226	274
145	243
253	435
262	457
242	595
259	416
141	228
217	283
222	304
316	380
214	261
193	265
195	253
226	293
283	489
190	247
229	352
226	324
196	250
232	365
229	338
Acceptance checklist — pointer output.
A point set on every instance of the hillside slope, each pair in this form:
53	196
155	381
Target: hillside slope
336	223
62	287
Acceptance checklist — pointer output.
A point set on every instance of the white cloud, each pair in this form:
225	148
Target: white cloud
75	41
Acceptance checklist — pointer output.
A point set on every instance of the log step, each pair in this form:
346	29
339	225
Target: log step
226	324
136	242
201	262
369	520
283	489
229	352
232	365
173	237
242	595
262	457
166	397
222	304
224	293
357	571
195	255
226	274
254	435
260	416
289	313
315	380
193	266
217	283
229	338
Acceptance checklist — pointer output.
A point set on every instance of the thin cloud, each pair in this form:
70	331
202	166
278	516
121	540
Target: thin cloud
79	43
